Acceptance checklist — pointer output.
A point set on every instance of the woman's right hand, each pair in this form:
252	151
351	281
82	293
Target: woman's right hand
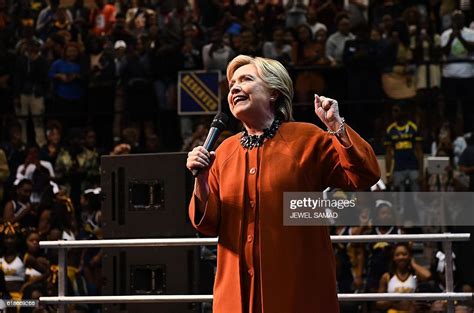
200	159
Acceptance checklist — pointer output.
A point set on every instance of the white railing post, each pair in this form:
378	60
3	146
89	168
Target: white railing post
448	251
62	277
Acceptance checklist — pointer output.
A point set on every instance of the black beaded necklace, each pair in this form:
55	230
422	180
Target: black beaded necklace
251	141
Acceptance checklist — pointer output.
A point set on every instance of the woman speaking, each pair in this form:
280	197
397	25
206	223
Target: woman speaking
262	265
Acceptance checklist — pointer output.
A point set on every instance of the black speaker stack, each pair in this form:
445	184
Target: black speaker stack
147	196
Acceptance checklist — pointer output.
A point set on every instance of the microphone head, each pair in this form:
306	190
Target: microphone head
220	121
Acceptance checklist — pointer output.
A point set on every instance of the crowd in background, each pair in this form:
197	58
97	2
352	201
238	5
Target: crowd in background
81	79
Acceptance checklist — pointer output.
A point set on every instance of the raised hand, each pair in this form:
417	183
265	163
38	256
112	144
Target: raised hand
327	110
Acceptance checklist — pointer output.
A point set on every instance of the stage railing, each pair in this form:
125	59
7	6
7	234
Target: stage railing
62	300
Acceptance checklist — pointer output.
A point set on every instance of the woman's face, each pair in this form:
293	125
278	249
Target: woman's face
24	192
249	97
71	53
321	36
401	256
54	136
385	215
32	242
303	34
9	241
279	36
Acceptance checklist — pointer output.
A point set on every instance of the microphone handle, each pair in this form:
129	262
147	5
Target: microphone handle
211	139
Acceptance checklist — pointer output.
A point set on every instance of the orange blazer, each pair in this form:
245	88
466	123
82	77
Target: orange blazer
297	265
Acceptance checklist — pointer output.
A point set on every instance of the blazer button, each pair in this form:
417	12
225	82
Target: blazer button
252	171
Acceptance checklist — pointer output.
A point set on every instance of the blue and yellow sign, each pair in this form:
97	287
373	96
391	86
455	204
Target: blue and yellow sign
198	92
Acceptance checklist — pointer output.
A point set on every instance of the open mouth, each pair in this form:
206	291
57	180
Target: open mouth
238	99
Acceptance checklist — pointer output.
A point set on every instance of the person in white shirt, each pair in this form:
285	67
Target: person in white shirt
35	170
403	277
458	77
312	20
335	43
278	49
216	54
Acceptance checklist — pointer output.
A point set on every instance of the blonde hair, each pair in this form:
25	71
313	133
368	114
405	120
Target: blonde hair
275	76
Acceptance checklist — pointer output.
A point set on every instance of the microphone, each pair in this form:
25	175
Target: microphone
217	126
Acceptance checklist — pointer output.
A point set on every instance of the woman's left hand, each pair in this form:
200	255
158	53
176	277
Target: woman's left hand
327	110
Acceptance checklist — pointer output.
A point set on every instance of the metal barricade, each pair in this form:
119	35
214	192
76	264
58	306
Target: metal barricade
63	300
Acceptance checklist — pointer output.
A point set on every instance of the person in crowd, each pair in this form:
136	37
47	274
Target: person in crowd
350	259
40	172
53	47
249	45
15	151
31	85
13	263
131	137
278	49
165	63
427	76
80	13
216	55
457	43
32	239
209	13
404	153
152	144
4	173
67	74
49	152
137	76
357	12
403	277
89	160
90	263
197	138
335	43
61	22
19	209
69	173
295	13
466	161
251	20
120	31
313	22
26	33
191	59
136	7
46	18
226	199
360	60
379	253
101	89
386	8
395	57
307	52
443	147
7	24
102	17
273	14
